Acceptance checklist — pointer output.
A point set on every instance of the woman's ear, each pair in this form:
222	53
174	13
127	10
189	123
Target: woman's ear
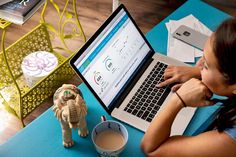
234	91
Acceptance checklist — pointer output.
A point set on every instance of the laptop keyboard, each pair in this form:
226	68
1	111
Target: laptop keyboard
148	99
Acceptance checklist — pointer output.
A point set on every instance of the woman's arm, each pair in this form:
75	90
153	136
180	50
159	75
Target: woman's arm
157	140
208	144
193	93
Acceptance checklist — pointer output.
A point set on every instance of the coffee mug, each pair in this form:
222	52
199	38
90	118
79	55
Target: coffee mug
109	138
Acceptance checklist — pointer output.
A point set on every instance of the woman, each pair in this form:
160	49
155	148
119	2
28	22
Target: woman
217	76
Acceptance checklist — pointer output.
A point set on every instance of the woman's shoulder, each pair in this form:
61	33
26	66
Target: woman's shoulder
231	131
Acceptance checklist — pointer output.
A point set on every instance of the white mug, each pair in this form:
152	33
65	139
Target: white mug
109	138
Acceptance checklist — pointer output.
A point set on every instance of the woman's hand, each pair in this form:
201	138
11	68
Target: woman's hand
179	75
195	94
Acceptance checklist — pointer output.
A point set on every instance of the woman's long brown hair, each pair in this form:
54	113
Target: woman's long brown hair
224	48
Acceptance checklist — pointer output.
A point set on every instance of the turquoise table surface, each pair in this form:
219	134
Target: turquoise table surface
42	137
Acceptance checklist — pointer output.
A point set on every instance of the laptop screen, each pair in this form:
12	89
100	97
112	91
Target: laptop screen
113	57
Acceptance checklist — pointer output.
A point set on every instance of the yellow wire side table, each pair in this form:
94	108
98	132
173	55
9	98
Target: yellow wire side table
18	98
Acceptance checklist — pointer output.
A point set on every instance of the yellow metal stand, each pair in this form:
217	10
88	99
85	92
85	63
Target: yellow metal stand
18	97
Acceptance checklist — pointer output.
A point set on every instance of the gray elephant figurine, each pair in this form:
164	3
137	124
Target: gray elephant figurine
70	109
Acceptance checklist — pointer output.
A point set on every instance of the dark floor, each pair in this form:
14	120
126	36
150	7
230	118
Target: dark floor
228	6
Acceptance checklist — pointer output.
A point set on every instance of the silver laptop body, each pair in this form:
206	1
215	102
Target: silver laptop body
115	63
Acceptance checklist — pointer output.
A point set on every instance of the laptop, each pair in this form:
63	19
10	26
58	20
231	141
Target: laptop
122	70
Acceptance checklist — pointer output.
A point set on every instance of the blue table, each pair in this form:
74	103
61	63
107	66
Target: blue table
42	138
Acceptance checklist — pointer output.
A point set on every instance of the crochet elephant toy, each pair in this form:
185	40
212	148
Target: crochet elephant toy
70	109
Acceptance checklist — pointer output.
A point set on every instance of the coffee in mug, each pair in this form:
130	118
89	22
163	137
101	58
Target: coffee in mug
109	138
